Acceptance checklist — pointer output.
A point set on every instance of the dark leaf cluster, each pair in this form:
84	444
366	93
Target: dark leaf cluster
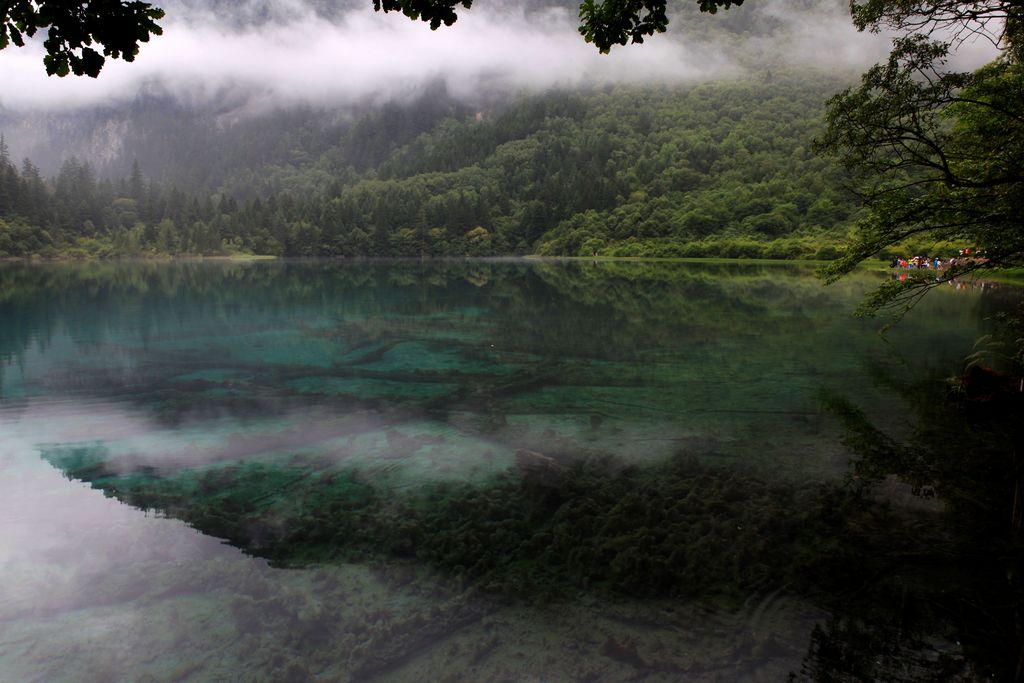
434	12
114	27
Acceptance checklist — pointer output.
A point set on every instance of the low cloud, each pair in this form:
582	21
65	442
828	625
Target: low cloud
282	53
358	56
822	38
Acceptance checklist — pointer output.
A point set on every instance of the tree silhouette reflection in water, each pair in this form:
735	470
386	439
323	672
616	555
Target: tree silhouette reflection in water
952	573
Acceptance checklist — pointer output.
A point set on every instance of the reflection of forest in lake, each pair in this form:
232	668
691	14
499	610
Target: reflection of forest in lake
631	439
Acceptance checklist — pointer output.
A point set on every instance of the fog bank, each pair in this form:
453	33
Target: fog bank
298	56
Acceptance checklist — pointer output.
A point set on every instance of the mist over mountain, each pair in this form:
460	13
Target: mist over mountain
222	67
198	146
313	100
705	169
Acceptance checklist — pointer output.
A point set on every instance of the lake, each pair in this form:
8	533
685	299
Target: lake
491	470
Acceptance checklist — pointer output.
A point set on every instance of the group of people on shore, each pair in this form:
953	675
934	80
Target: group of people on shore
965	256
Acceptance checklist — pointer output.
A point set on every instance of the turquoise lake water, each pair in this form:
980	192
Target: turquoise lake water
481	470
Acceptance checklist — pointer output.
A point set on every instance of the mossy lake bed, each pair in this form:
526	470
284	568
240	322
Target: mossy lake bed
489	470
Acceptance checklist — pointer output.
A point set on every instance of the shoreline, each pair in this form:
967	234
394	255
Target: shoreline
1014	276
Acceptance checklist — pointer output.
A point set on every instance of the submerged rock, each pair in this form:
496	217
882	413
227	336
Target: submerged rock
540	469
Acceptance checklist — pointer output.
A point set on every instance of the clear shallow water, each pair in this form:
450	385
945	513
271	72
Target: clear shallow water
465	471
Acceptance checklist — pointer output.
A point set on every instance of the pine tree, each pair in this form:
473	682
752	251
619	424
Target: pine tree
8	177
136	187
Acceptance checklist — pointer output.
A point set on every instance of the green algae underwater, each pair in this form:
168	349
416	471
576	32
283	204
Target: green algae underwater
496	470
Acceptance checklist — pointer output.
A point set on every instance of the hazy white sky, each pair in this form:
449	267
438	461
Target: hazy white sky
366	54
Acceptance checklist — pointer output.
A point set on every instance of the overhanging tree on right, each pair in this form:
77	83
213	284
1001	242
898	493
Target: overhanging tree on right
938	154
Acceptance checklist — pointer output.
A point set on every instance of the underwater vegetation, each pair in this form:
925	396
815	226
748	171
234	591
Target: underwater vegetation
558	528
551	527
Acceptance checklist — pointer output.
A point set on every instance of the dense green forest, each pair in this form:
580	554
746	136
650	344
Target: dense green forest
718	169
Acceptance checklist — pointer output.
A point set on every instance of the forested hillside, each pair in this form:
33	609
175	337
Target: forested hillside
709	169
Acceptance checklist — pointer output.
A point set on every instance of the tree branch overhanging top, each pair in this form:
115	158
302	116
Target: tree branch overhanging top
80	36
